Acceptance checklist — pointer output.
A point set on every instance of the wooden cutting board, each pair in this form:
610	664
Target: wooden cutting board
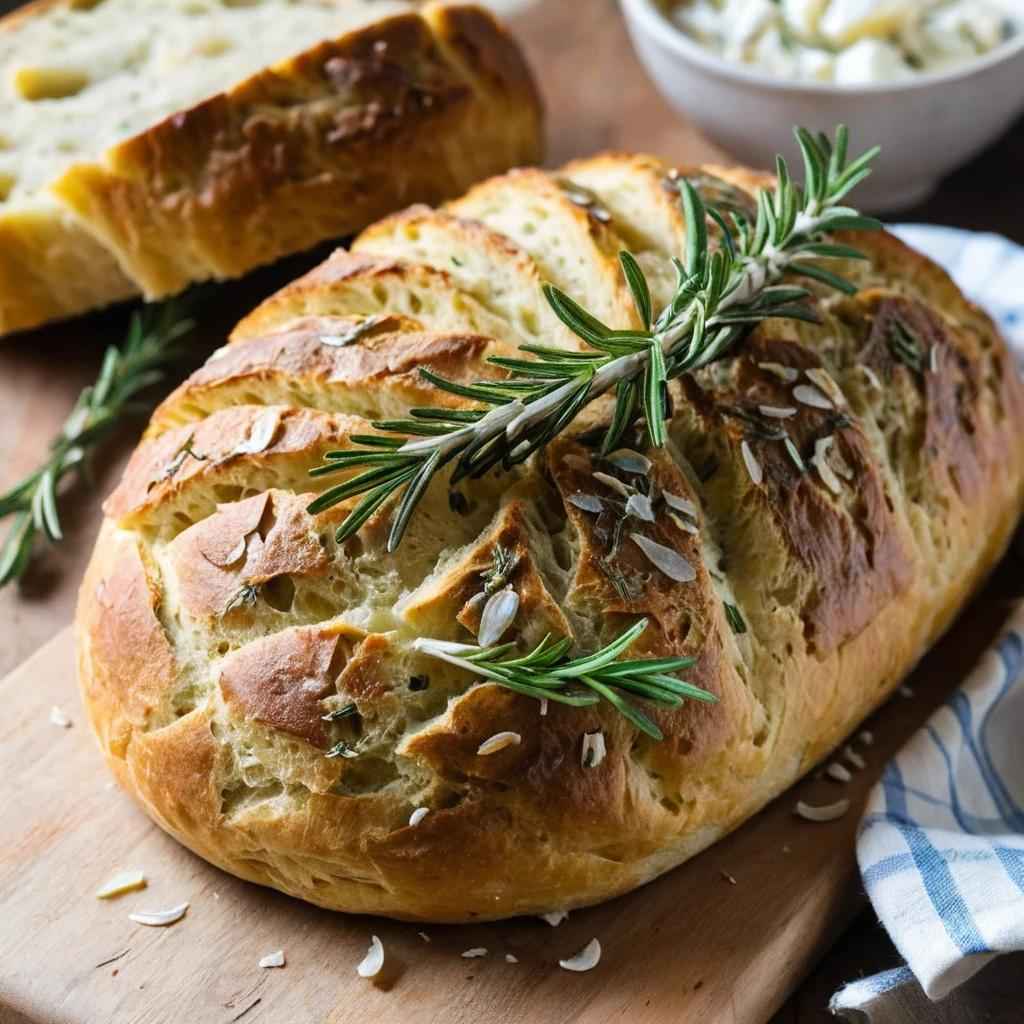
721	940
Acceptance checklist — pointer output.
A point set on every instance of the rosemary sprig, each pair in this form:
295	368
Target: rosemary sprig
720	295
547	674
125	372
345	711
501	568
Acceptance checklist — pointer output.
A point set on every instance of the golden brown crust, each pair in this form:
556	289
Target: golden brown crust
375	379
251	628
245	544
161	469
134	663
303	151
850	548
281	679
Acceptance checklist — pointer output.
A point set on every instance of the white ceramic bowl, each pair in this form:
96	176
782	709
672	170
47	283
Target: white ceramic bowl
927	125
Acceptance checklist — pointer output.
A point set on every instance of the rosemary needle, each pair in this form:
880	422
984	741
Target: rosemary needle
720	296
126	371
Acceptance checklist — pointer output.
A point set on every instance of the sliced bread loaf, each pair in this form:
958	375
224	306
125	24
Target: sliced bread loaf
146	145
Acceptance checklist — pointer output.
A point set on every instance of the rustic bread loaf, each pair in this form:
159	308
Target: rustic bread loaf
144	146
220	622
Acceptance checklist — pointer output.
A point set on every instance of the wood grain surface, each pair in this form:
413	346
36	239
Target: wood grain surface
598	97
721	940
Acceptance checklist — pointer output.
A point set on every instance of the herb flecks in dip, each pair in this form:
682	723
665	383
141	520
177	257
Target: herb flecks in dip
849	42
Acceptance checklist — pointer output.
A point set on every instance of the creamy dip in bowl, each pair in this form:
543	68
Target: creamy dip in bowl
850	42
929	113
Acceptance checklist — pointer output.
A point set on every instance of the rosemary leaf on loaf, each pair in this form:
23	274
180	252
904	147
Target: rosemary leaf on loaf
502	566
721	293
151	345
186	451
736	622
546	673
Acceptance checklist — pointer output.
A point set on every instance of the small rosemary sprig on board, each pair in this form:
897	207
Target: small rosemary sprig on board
546	673
125	372
720	295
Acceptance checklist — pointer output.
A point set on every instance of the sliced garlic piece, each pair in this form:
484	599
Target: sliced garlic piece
370	965
587	502
639	506
59	718
823	379
160	918
594	749
786	373
826	812
805	394
555	917
498	615
261	433
753	466
680	504
855	759
667	561
615	484
585	960
630	461
821	464
122	882
499	741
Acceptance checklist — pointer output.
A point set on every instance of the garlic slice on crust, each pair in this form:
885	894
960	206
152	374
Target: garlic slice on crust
499	741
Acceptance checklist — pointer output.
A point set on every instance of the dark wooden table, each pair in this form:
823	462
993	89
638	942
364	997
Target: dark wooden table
598	97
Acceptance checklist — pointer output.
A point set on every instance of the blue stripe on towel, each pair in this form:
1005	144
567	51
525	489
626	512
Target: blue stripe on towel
1013	865
937	879
889	980
961	708
888	867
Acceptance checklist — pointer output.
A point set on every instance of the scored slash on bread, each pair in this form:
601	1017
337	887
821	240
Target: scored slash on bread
276	126
378	378
497	273
573	249
350	284
816	585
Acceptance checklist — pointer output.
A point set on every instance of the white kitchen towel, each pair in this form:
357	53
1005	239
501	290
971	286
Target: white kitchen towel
941	846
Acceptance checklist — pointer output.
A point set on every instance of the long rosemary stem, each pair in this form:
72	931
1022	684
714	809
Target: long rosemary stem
720	295
151	344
